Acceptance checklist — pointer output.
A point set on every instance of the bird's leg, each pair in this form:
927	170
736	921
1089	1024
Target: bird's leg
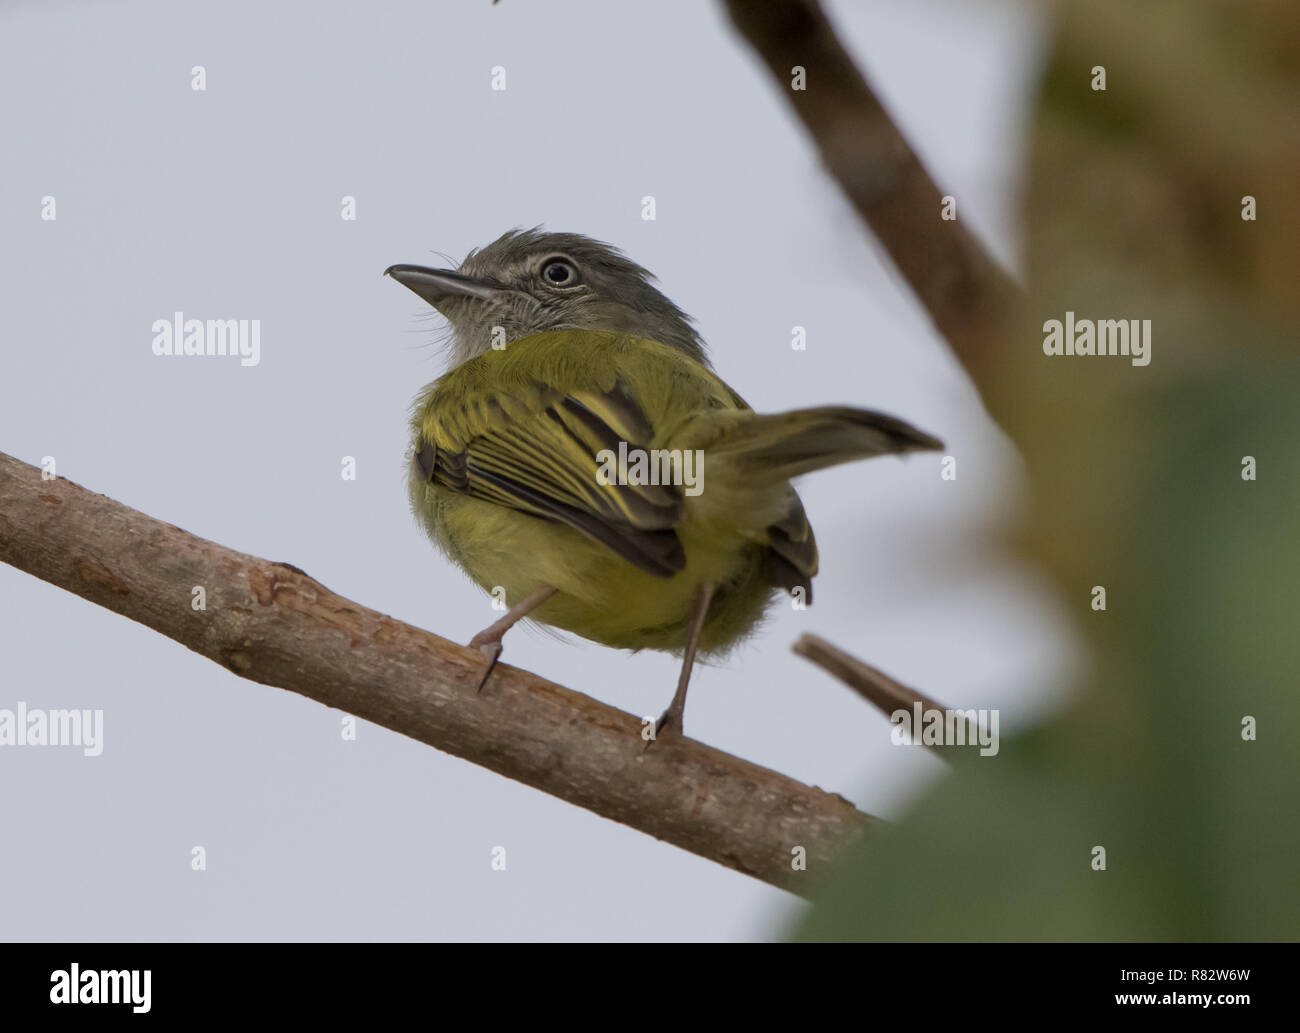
488	641
672	717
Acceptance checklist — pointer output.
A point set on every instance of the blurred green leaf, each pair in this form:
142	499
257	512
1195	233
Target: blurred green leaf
1134	212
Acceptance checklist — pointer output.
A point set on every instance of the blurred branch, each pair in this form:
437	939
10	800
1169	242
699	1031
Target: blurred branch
885	694
271	623
964	290
876	687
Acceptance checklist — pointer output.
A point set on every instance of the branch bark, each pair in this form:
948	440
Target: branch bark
271	623
964	290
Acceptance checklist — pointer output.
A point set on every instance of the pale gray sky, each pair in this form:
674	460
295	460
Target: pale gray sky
225	204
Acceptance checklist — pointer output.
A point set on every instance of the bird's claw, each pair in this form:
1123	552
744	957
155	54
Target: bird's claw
491	649
669	721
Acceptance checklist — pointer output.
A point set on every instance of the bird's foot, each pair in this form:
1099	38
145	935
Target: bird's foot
670	722
489	644
488	641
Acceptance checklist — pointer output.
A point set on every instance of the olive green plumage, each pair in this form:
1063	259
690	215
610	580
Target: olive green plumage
505	480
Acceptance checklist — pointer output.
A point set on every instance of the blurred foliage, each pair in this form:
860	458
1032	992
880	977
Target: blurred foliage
1134	206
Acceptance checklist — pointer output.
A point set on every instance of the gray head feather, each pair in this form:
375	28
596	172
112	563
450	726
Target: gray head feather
601	290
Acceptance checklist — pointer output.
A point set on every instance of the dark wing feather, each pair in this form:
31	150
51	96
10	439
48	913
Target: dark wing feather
792	555
535	450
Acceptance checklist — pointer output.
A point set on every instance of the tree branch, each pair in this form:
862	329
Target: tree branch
271	623
872	684
884	693
961	286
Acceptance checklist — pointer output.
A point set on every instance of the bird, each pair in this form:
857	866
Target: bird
581	459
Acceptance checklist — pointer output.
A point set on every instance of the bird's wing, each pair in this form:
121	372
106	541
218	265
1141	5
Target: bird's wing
534	448
792	548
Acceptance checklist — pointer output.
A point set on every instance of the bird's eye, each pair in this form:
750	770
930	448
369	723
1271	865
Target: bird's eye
560	272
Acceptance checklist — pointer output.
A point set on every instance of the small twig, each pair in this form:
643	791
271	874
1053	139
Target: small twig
873	685
886	694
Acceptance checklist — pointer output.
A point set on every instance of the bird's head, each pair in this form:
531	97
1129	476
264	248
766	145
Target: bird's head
528	281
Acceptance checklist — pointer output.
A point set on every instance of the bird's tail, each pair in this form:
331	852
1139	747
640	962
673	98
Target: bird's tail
778	446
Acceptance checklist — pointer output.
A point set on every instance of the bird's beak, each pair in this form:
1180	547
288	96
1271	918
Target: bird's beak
439	285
